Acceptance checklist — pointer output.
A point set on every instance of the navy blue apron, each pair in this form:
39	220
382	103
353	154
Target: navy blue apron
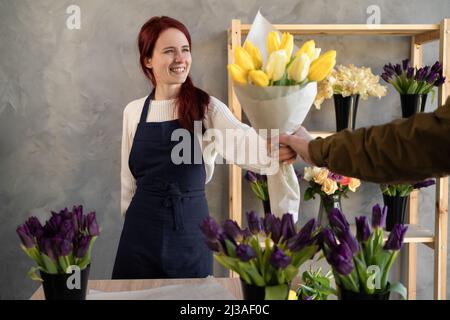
161	237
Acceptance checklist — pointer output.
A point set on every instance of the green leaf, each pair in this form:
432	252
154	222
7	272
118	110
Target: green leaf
400	289
301	256
290	272
50	266
34	254
227	262
252	272
231	248
87	258
279	292
33	274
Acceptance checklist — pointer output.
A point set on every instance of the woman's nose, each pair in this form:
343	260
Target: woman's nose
178	56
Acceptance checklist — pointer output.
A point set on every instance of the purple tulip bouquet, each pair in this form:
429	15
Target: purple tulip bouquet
407	79
65	240
268	253
361	264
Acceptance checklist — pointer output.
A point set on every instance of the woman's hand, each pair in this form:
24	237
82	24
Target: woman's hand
286	155
299	142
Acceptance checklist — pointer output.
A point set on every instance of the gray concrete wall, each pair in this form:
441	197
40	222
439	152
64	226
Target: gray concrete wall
62	93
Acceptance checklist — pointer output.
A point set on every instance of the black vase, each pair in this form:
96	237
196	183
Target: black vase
345	109
266	206
412	103
328	203
396	210
56	288
344	294
252	292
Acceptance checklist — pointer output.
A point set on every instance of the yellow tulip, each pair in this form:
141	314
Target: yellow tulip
276	65
243	59
259	78
299	68
237	73
287	43
309	48
322	66
292	295
273	42
254	52
316	53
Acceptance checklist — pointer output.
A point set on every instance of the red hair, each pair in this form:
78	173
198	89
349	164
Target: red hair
192	102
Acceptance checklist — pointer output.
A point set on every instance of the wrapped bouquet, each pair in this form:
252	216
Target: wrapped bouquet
276	84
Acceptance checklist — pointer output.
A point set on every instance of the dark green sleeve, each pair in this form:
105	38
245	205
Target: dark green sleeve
404	150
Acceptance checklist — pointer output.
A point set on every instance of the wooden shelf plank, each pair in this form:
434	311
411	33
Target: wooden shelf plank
353	29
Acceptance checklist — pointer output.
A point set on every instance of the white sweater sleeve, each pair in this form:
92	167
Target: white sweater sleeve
242	152
127	181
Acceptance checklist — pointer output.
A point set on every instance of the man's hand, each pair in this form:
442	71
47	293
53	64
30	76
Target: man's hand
299	143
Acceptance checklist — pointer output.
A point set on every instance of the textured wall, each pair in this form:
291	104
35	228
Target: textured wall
62	93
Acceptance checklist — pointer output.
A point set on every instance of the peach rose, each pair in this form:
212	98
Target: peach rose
354	184
321	176
329	186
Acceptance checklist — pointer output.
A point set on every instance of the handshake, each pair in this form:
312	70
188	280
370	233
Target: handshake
293	145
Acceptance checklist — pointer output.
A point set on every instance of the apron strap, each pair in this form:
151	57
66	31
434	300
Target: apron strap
146	106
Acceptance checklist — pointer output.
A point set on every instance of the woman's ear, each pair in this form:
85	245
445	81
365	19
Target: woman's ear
148	63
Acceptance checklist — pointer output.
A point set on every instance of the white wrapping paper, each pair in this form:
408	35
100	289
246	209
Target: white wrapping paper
276	107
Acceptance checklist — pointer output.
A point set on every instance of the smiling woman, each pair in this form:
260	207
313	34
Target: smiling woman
163	201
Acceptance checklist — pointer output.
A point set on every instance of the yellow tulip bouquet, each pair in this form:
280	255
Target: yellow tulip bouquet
276	85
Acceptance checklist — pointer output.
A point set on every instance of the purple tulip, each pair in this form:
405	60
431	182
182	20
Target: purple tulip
328	240
66	230
62	247
251	177
210	228
395	240
440	81
362	228
432	77
338	221
35	227
52	226
93	227
245	252
303	237
378	216
348	238
420	74
254	222
405	64
214	245
77	217
389	68
233	231
25	236
46	246
287	226
410	73
424	184
398	69
278	259
341	259
81	246
272	226
437	67
385	77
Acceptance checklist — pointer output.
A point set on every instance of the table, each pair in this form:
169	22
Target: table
233	285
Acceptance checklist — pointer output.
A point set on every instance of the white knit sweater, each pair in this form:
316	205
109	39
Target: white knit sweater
218	117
